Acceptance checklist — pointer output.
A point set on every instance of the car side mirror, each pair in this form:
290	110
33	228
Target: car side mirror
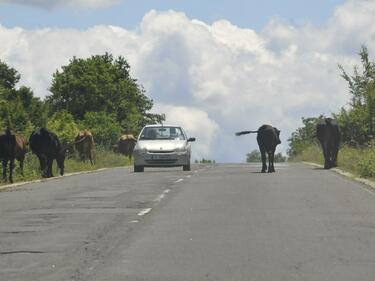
191	139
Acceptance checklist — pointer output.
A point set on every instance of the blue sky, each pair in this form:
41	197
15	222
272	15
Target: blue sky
244	13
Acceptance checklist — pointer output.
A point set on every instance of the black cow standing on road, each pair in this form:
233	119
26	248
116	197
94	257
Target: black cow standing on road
328	134
8	153
268	138
47	147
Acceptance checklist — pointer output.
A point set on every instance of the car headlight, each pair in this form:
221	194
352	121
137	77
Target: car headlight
181	149
141	151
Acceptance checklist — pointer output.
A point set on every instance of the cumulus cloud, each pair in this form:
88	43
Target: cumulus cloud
196	123
217	78
63	3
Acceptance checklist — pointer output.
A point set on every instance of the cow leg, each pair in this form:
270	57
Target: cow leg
11	168
43	165
264	160
89	155
326	157
21	160
60	164
271	167
49	167
335	153
5	163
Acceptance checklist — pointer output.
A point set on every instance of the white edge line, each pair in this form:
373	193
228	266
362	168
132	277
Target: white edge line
144	212
160	197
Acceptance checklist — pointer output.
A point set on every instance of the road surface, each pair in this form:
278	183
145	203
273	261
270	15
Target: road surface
220	222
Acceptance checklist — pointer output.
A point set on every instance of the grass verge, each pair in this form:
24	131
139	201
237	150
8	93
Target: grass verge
358	161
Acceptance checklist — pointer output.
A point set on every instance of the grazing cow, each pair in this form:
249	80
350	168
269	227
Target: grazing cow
268	138
8	153
84	144
328	134
47	147
126	145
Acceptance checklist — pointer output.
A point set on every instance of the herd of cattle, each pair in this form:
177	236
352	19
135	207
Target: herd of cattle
47	147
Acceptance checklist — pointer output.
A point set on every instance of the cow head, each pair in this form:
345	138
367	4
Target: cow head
278	141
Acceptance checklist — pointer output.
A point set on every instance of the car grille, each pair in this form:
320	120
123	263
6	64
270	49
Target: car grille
161	161
161	151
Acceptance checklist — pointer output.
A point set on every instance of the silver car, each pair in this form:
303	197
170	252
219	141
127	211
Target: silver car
162	146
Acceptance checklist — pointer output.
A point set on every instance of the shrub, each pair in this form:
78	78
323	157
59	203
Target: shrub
63	125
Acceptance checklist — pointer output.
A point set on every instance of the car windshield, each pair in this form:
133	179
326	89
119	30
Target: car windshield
162	133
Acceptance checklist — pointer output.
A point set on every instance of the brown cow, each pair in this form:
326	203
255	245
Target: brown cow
20	150
12	146
84	144
126	145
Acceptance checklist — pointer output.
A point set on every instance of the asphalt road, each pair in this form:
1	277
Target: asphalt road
222	222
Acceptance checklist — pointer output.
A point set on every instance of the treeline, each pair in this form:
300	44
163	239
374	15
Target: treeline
356	121
255	156
97	93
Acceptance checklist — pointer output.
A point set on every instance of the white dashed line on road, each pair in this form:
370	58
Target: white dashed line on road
144	212
166	191
160	197
179	180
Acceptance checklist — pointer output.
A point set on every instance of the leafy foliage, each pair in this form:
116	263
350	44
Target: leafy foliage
19	109
104	127
255	156
63	125
102	84
357	122
303	136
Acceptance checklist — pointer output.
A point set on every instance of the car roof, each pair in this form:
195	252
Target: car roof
162	125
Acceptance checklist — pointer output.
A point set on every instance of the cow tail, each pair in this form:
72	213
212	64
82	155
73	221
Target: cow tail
245	133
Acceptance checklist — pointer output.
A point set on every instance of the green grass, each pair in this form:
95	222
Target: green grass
103	159
358	161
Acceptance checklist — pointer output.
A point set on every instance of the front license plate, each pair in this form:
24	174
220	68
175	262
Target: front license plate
160	157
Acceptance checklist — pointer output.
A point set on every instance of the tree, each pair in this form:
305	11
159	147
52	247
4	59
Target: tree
19	109
279	158
253	156
63	125
104	127
102	84
303	136
357	122
9	77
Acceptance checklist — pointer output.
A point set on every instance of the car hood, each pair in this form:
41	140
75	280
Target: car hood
160	145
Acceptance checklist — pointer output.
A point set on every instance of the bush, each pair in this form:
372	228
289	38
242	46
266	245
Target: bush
63	125
104	127
366	162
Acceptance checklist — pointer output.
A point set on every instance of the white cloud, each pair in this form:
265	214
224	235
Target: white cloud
217	78
47	4
197	124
